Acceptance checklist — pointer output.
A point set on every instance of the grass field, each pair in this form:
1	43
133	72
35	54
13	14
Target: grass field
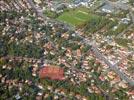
76	17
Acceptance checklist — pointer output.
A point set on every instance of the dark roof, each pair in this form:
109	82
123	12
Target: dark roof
108	7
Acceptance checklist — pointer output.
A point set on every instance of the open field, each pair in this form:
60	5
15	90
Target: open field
77	16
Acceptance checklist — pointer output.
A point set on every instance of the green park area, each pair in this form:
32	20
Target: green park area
76	16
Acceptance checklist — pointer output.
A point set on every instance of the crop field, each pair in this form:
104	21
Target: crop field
76	17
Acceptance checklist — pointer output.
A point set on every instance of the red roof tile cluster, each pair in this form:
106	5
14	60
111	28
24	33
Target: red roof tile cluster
52	72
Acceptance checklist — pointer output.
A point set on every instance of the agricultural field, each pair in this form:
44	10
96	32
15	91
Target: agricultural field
77	16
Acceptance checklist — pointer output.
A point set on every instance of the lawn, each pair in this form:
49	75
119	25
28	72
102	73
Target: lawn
76	16
120	28
123	42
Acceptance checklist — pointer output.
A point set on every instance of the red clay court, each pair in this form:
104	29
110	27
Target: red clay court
52	72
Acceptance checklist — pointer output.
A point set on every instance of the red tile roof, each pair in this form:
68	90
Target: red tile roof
52	72
131	92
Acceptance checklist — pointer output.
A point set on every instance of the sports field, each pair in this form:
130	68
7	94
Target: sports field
76	17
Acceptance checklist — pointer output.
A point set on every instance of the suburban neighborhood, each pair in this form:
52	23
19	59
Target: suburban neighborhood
67	50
